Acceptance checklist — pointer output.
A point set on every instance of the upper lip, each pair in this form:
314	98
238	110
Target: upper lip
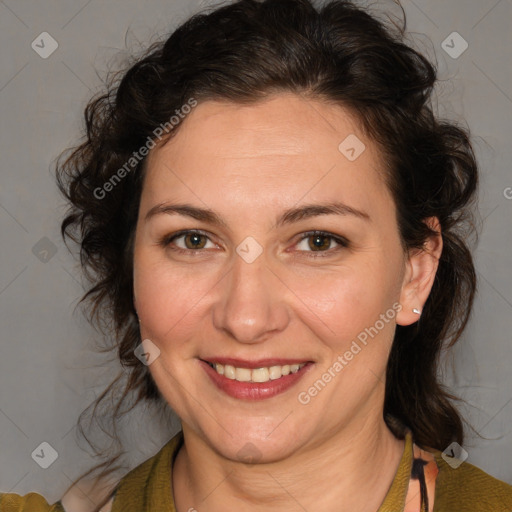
259	363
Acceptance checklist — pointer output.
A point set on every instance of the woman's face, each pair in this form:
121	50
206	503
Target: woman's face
250	290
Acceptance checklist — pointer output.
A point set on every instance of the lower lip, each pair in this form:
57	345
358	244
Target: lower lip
254	390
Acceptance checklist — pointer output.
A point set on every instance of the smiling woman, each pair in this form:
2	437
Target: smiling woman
299	233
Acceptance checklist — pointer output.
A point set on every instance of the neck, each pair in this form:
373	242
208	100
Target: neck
349	470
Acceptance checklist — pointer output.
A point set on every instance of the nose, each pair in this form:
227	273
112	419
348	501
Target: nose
251	306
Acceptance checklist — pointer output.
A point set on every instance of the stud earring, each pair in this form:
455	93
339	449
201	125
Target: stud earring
417	311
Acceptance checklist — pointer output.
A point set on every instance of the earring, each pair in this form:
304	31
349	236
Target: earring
417	311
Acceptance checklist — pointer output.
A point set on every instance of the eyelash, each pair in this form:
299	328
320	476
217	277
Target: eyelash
168	239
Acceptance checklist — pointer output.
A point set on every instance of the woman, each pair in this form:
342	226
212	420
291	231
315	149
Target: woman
271	215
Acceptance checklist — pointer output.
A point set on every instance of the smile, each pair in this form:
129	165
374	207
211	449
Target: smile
264	379
264	374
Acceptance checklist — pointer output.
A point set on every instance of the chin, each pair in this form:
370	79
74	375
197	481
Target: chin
250	441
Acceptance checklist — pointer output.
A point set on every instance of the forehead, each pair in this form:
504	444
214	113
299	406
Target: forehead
284	148
284	124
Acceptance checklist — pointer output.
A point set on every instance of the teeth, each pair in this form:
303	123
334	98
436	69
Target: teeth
262	374
229	371
257	374
243	374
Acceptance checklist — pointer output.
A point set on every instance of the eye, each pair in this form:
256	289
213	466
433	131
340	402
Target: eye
191	240
320	242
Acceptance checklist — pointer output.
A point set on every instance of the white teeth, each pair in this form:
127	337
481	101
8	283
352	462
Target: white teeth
274	372
257	374
261	374
229	371
243	374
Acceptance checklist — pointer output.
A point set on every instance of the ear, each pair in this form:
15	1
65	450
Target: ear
420	272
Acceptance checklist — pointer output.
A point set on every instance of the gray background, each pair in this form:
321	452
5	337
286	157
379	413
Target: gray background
48	371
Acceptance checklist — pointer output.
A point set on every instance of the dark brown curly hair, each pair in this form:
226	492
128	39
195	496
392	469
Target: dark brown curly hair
243	52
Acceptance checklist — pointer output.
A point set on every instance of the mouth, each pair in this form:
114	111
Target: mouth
255	380
260	375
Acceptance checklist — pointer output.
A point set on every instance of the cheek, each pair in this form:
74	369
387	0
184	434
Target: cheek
345	300
168	298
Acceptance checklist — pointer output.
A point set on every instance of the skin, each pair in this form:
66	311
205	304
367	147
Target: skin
249	164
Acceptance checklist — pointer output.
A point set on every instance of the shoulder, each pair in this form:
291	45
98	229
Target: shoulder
31	502
130	489
89	495
82	497
467	488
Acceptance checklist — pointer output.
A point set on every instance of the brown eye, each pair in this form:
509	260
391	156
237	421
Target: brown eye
187	241
320	242
193	240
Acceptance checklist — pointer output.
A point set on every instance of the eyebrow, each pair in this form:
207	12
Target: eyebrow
287	217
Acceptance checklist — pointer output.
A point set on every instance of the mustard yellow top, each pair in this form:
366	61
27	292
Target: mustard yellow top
147	487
